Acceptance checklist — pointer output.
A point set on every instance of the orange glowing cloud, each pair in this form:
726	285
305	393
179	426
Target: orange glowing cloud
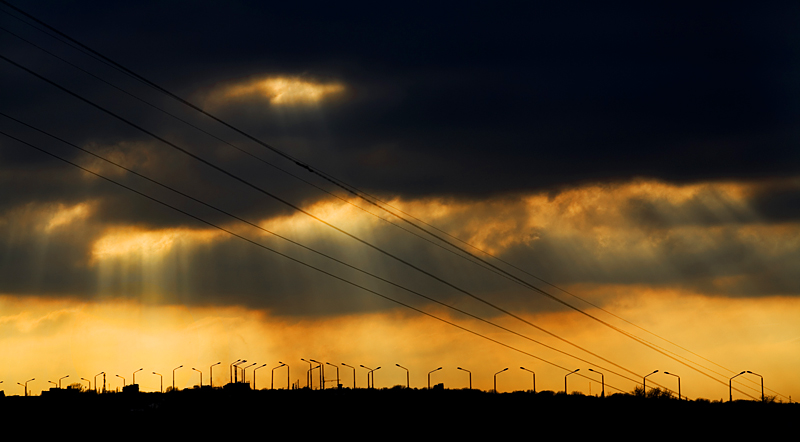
281	90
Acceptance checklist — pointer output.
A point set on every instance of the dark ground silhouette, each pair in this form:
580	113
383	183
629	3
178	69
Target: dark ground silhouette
398	411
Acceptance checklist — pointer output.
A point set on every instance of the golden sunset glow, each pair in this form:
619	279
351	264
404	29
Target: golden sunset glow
595	222
83	339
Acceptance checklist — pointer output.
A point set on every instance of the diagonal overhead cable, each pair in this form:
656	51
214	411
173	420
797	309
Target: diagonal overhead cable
341	262
297	208
367	198
293	259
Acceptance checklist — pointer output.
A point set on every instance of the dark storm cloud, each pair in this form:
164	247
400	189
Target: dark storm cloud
475	102
524	97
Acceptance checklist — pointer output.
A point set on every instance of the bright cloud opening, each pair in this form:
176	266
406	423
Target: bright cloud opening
284	91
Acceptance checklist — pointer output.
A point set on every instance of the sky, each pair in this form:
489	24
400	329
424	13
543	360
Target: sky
483	186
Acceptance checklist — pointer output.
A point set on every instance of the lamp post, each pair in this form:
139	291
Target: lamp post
321	374
201	376
288	380
762	384
354	374
644	379
134	376
565	379
173	377
408	384
211	373
470	376
337	374
495	378
236	370
603	381
679	383
254	375
90	383
26	385
95	380
123	381
162	380
244	372
730	386
308	373
368	373
53	383
429	377
59	381
373	375
230	369
272	378
534	378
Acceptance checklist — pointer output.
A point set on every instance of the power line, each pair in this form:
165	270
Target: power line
303	246
293	206
294	259
358	193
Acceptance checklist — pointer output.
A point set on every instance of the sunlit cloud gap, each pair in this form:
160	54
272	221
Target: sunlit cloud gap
281	200
155	242
308	265
282	91
170	94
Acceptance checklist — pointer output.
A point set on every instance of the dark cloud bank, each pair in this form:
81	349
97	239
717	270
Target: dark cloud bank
470	102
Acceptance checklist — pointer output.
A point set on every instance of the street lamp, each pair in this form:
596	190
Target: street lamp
337	374
429	377
123	381
534	378
679	383
407	375
254	375
87	380
201	376
310	376
288	381
603	380
644	379
495	378
354	374
236	370
211	373
272	378
134	376
230	369
308	373
95	380
565	379
321	374
368	373
173	377
762	384
730	387
470	376
373	375
59	380
162	381
244	372
26	385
